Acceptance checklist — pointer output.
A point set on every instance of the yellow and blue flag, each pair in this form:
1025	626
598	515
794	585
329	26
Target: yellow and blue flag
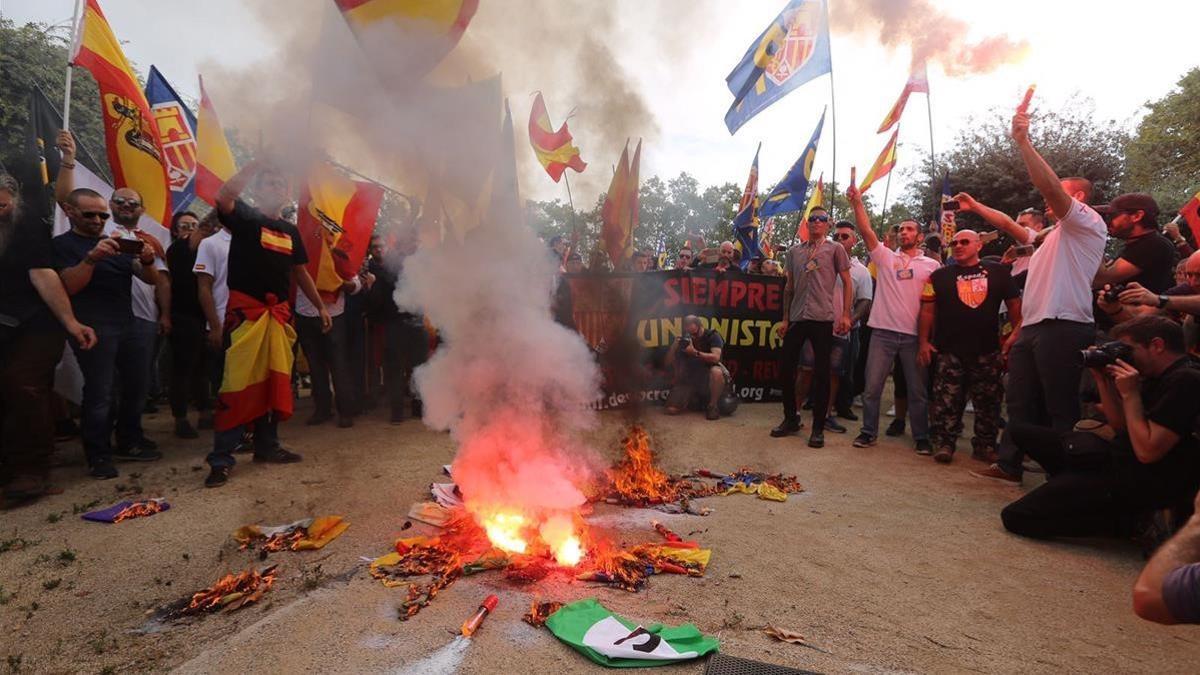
177	135
791	51
788	194
745	223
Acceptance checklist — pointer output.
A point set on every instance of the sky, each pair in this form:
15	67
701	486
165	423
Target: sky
675	55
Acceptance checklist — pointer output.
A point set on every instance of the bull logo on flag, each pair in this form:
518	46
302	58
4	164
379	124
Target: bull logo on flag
178	144
972	290
803	27
123	113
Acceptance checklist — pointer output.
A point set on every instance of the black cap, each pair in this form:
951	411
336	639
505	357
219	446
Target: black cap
1132	201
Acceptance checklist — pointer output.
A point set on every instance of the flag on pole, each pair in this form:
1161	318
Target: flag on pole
1191	215
946	216
745	222
788	194
791	51
614	641
407	39
918	81
817	198
883	164
554	149
130	130
619	211
39	166
766	240
214	159
336	218
176	135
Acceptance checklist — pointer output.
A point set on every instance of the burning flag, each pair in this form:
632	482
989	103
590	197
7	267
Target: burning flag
554	149
883	164
126	510
308	534
918	82
232	591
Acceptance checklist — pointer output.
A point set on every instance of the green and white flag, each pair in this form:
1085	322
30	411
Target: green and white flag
615	641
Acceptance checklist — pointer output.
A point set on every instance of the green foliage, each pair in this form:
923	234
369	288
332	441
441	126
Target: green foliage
35	55
1164	153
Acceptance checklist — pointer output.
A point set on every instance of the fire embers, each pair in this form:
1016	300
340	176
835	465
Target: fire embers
540	611
628	569
308	534
140	509
233	591
417	557
636	481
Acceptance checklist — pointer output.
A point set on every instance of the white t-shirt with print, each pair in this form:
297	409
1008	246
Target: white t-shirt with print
212	258
899	280
1059	285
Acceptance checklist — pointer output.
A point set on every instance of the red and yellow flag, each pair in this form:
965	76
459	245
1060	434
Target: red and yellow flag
408	37
620	210
883	164
258	370
554	149
1191	215
918	81
130	130
817	198
336	218
214	159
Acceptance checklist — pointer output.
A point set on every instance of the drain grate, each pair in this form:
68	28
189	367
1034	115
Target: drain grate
723	664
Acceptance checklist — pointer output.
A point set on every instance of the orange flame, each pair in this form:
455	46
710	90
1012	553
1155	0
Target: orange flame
559	534
505	530
636	478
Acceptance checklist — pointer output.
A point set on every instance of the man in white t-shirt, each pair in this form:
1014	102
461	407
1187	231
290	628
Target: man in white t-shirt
900	278
212	272
1044	367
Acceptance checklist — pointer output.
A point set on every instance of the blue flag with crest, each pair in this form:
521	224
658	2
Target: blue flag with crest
177	133
789	194
745	223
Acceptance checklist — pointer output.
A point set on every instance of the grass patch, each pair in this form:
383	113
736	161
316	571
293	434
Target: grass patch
51	584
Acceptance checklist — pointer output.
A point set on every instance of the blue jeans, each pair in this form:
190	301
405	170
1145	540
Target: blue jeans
124	348
885	346
266	439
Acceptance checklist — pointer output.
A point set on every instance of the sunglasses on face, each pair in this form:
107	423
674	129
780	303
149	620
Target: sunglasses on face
126	201
844	236
88	215
818	219
960	242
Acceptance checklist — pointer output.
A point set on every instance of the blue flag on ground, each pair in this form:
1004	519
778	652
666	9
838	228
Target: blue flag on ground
177	132
791	51
789	194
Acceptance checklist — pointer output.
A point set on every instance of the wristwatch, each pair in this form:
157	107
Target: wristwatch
1162	301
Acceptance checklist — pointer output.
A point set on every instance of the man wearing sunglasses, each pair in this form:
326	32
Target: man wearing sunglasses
809	317
960	320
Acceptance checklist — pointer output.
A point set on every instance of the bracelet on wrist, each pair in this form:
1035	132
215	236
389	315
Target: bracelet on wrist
67	165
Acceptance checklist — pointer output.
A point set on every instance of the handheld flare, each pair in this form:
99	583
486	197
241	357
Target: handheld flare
472	624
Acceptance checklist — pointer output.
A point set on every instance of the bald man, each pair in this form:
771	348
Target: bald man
960	322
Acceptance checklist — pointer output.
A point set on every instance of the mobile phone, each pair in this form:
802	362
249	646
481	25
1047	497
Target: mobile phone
950	205
131	246
1023	251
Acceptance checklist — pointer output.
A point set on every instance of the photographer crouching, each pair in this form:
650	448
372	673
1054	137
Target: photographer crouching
1097	486
699	376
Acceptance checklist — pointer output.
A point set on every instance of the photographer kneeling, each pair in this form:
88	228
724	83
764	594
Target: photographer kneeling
699	375
1095	486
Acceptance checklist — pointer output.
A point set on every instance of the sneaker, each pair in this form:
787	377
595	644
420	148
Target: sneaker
864	440
924	448
816	440
891	412
184	429
103	469
985	455
319	417
896	428
217	477
278	455
831	424
786	428
246	444
847	414
944	455
345	421
994	472
205	422
137	453
712	413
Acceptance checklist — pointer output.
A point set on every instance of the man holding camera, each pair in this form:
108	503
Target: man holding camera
98	273
696	358
1147	390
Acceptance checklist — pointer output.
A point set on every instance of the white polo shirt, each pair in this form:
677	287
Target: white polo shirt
899	280
1059	285
212	258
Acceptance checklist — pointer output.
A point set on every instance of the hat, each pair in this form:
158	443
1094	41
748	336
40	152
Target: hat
1132	201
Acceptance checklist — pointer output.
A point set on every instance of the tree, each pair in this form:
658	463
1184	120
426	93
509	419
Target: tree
35	55
1164	153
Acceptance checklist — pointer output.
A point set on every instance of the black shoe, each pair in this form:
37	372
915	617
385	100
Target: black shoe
103	469
924	447
847	414
319	417
896	428
217	477
712	413
786	428
184	429
816	440
807	405
137	453
831	424
278	455
864	440
345	421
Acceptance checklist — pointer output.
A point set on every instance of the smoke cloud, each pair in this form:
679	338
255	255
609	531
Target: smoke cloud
933	35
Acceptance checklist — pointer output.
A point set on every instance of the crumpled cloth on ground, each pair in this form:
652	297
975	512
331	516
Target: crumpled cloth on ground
614	641
317	532
446	494
110	514
763	490
431	513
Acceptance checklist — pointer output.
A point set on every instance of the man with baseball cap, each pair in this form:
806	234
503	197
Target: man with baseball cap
1148	257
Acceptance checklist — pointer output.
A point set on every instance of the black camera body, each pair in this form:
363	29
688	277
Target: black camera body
1114	292
684	342
1106	354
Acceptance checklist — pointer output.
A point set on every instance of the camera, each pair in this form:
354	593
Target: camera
1023	251
1106	354
684	342
1113	292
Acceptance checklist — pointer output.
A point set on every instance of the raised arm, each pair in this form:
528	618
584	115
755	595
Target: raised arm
1043	177
233	188
993	217
64	183
861	220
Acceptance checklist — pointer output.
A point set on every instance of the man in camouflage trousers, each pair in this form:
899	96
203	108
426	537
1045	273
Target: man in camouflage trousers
960	323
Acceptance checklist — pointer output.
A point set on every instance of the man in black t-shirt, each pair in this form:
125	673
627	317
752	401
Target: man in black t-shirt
696	358
189	358
1154	463
960	321
1148	257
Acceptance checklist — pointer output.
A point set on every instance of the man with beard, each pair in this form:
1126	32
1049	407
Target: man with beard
1148	258
98	274
31	343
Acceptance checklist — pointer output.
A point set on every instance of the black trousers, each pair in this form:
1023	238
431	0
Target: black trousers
189	366
820	334
27	364
405	347
327	359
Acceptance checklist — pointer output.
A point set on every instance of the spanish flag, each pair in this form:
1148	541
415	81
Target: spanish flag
918	82
214	160
817	198
1191	215
553	148
130	130
620	210
336	218
883	164
407	38
258	362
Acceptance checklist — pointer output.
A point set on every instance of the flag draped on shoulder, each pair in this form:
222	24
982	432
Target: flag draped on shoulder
619	212
745	222
883	164
554	149
130	130
405	39
918	82
788	193
176	135
214	159
336	218
258	369
791	51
